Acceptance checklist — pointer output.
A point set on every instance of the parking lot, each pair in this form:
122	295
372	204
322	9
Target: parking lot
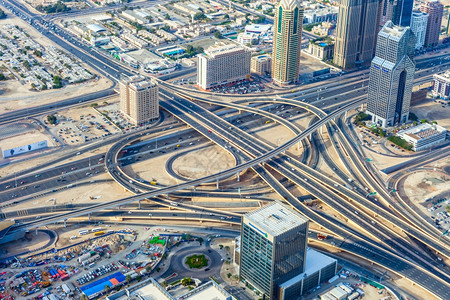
241	87
77	126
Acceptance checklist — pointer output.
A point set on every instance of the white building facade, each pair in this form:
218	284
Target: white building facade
419	22
423	136
441	85
223	64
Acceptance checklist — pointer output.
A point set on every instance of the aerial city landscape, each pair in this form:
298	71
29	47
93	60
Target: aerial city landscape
224	149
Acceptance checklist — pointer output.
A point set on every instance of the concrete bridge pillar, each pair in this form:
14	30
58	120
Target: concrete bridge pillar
345	116
217	184
238	179
195	188
65	223
321	130
89	217
167	196
139	204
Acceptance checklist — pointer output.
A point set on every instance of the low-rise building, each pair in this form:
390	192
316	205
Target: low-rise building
321	49
323	29
423	136
319	268
247	38
441	85
138	42
261	64
150	289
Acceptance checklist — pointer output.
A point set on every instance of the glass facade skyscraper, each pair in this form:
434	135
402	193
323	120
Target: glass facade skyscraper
273	247
391	76
287	39
402	12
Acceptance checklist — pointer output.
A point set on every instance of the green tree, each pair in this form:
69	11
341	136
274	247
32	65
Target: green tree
218	35
167	17
423	121
128	278
2	76
51	119
228	275
187	281
57	82
199	16
37	52
94	104
107	288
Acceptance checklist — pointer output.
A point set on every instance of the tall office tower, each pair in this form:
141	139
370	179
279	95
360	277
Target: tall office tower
287	42
391	76
356	32
139	99
419	22
273	247
401	11
223	64
434	9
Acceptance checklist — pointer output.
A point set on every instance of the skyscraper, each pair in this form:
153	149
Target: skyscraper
273	247
356	32
391	76
139	99
401	12
287	41
419	22
434	9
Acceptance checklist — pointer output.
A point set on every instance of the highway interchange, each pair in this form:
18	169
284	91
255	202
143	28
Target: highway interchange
373	238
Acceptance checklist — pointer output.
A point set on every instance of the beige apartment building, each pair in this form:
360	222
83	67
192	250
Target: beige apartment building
139	99
261	64
223	64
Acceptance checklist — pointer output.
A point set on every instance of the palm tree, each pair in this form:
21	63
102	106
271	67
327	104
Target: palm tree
107	287
128	278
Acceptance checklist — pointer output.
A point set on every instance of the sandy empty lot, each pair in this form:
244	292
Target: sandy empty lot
426	184
433	111
203	162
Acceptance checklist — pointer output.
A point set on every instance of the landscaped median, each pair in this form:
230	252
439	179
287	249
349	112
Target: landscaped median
196	261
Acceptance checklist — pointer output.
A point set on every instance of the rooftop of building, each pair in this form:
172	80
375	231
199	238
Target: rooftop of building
422	131
148	290
257	28
209	290
445	75
289	4
142	85
222	48
314	262
276	218
152	290
96	28
391	30
262	57
419	14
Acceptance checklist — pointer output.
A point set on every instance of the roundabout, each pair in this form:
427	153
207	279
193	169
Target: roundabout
177	262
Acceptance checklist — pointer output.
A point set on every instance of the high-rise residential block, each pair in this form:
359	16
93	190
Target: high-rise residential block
139	99
223	64
391	76
356	32
287	39
419	22
273	247
441	85
434	9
